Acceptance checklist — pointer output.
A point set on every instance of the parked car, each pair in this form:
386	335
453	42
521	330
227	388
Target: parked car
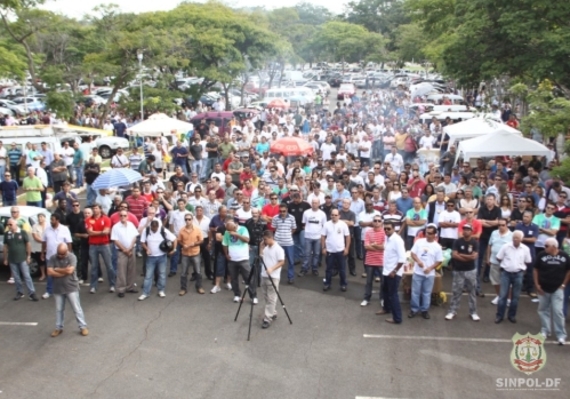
335	80
221	120
30	103
30	215
11	105
346	89
106	145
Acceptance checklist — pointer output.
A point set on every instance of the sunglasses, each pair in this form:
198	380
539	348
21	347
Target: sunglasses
377	221
387	229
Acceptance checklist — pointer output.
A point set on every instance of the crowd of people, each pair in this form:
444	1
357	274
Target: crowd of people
359	195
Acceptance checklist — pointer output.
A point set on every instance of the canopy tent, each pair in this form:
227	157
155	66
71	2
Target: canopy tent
475	127
421	89
160	125
291	146
501	143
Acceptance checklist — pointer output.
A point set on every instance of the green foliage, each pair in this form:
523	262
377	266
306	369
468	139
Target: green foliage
410	42
60	102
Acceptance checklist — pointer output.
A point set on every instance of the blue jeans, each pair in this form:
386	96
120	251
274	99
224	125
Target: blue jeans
312	253
335	260
73	299
78	176
507	280
203	168
91	195
175	258
105	252
565	299
289	257
552	304
2	170
21	271
211	162
183	166
483	244
196	167
253	252
34	203
152	263
298	239
221	265
357	241
371	272
422	286
391	300
9	203
114	257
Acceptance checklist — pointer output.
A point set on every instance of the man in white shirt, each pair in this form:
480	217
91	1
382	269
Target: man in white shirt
427	141
327	147
335	244
314	220
427	256
316	193
273	258
394	258
364	147
448	223
124	235
396	161
218	173
119	160
176	223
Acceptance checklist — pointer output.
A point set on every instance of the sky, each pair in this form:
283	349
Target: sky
78	8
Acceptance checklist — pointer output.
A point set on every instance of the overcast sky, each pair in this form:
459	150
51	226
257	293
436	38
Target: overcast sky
77	8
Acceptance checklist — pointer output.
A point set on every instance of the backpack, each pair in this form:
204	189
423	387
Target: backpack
166	245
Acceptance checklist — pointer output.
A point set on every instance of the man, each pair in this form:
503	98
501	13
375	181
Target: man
255	227
530	235
339	195
67	153
195	156
514	258
427	256
396	161
464	257
374	256
498	239
297	208
137	203
61	267
365	223
404	203
229	188
235	168
436	207
33	187
124	235
236	249
190	239
151	240
217	228
177	178
335	244
394	258
53	235
551	276
98	228
285	226
448	223
61	210
77	165
9	190
179	156
203	223
548	226
80	245
177	221
67	196
91	172
212	151
447	160
193	184
416	219
489	216
15	156
273	259
135	159
313	220
18	255
243	213
494	189
349	218
393	215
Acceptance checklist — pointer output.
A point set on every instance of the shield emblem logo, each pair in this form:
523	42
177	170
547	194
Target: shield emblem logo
528	355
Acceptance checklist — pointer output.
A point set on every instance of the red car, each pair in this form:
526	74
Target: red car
346	89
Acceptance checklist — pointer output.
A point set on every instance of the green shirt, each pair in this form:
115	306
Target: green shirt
35	183
16	242
78	158
225	149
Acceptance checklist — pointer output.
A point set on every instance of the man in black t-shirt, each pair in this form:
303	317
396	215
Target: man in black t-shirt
212	150
196	156
489	215
551	275
464	256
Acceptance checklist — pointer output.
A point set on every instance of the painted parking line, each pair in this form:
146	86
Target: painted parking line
17	323
438	338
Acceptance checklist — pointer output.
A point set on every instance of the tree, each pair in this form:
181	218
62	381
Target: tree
410	42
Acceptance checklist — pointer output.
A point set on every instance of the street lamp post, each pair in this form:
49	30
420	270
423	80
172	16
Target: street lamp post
140	58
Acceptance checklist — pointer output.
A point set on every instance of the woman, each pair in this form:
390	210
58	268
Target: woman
468	202
404	178
459	195
307	166
427	194
303	188
395	193
37	234
531	205
294	175
506	207
542	200
350	162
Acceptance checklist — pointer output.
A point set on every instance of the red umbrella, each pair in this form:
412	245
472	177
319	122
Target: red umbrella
277	103
291	146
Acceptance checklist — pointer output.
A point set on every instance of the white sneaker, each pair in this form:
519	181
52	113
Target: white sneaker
143	297
92	291
543	334
100	279
81	282
508	302
215	289
364	303
228	286
112	289
475	317
534	300
139	254
449	316
495	301
237	299
161	294
255	301
46	295
561	341
377	279
11	280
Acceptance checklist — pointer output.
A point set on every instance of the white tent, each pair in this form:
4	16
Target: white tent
500	143
160	124
475	127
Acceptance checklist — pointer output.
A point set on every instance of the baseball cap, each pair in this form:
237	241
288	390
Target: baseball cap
294	187
467	226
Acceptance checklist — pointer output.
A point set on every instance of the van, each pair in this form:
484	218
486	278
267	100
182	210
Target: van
287	93
221	120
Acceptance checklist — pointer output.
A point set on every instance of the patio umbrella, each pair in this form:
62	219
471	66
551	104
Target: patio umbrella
116	178
291	146
278	103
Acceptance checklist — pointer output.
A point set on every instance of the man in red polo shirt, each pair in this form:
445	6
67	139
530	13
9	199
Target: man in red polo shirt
137	203
270	210
98	228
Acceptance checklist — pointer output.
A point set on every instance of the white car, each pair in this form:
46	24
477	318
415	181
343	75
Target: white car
106	145
30	215
11	105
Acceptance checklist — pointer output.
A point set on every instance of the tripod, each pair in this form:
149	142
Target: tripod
258	261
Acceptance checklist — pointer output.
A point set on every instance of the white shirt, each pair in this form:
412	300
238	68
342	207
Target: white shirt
204	225
271	256
314	222
396	161
366	152
219	175
326	149
124	233
335	234
68	155
3	155
144	223
42	175
449	217
366	217
394	253
53	237
242	215
320	197
429	253
202	201
119	161
514	259
154	239
177	220
427	142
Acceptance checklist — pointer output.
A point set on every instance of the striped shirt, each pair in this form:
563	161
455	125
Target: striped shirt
135	161
374	257
14	156
396	218
284	229
137	206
